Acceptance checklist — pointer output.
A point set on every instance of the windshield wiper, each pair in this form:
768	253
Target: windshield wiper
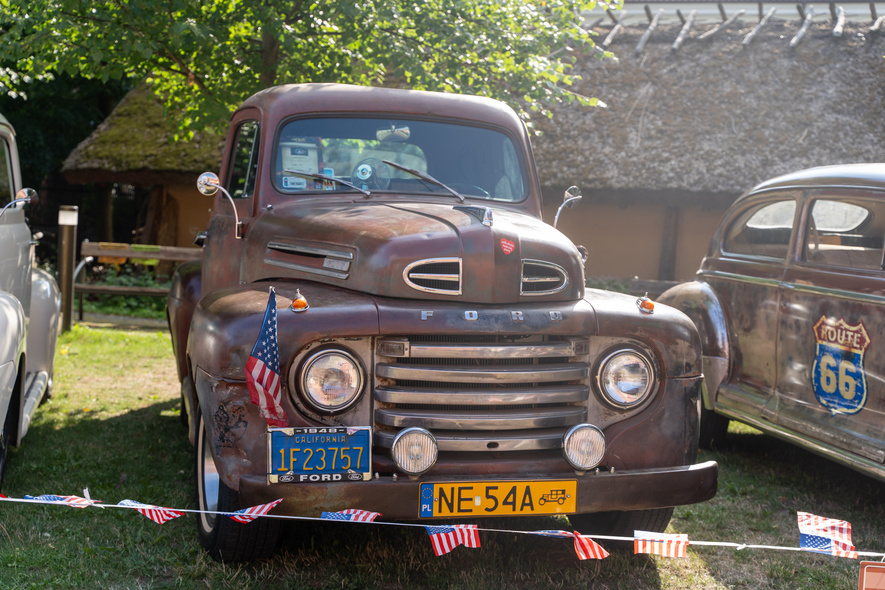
318	176
425	176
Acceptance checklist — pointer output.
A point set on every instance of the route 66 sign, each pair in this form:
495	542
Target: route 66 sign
838	376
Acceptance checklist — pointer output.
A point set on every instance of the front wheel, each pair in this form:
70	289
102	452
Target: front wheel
225	539
622	524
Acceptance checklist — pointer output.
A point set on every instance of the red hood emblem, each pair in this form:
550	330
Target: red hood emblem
507	246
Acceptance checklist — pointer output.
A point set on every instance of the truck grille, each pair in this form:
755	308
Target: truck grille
482	394
436	275
542	278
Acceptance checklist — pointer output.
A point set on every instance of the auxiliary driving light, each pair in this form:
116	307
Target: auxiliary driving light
583	446
414	451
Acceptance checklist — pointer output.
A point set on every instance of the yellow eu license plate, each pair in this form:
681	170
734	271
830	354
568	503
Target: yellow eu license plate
497	498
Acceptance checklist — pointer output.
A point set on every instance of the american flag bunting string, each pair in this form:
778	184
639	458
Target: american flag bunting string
263	368
352	514
447	537
585	547
247	515
158	514
665	545
825	535
74	501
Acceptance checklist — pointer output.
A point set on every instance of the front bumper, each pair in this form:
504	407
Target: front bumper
398	499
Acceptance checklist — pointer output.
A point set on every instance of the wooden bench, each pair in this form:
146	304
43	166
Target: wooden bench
115	252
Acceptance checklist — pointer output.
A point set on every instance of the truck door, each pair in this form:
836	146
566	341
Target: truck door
831	345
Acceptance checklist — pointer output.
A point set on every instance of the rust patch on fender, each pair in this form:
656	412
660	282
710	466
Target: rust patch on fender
230	424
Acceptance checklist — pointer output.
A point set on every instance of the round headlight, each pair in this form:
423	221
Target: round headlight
583	446
414	451
625	378
331	380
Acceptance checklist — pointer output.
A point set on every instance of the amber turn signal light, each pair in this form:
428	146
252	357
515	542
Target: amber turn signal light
300	302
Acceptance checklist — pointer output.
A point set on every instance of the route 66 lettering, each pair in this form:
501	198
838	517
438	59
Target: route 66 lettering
837	375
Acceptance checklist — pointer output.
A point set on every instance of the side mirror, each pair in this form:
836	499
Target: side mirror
208	184
570	199
25	195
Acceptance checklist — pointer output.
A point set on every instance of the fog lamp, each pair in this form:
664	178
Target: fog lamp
414	451
583	446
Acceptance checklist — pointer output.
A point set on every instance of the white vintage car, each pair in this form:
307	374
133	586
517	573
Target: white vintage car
29	307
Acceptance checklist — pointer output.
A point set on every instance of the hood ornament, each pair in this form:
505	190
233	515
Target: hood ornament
484	214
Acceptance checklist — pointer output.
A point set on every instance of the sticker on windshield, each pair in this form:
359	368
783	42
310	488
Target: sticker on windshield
838	375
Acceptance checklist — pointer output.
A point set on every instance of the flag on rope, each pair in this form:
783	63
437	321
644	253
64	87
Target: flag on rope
247	515
75	501
447	537
352	514
825	535
263	368
585	547
158	514
665	545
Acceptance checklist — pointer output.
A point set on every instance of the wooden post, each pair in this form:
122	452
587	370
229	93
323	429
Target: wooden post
640	47
758	27
683	33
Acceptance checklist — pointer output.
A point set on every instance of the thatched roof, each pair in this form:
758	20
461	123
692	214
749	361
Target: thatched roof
714	117
134	145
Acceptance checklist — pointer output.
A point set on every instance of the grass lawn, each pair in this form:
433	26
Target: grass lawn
113	426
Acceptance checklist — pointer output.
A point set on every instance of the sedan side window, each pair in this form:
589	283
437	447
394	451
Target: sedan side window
843	233
244	161
763	230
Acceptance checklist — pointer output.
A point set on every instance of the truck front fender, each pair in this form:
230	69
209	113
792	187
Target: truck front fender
699	302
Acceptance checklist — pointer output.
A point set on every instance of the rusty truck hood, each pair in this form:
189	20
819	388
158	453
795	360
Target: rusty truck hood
416	250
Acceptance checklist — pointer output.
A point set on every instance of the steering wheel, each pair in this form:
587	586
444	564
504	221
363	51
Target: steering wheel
371	174
470	189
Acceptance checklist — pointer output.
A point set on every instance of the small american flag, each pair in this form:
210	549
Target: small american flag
352	514
247	515
75	501
825	535
446	538
585	547
665	545
158	514
263	368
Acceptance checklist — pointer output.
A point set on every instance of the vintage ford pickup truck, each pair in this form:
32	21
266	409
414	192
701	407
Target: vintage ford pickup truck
382	321
29	307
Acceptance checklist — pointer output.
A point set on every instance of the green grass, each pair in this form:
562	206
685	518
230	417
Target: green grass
113	426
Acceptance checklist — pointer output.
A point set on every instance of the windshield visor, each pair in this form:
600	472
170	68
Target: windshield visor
474	161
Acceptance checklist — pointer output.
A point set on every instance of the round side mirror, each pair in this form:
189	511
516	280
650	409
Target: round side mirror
29	195
208	183
571	197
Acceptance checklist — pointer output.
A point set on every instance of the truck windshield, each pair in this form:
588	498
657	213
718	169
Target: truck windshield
474	161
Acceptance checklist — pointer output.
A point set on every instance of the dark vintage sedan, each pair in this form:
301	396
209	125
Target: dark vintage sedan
790	305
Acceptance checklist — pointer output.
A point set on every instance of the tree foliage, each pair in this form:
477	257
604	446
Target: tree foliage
204	57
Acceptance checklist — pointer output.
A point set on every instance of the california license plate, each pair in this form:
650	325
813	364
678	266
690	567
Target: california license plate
296	455
497	498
